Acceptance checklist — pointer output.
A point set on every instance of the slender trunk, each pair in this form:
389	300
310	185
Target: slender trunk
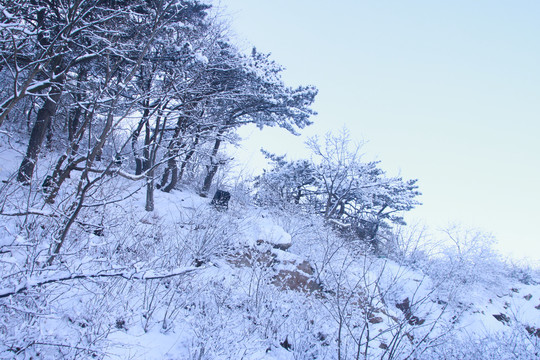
184	164
146	149
188	157
154	142
139	158
212	169
298	195
76	207
172	152
164	178
172	169
136	155
340	327
149	206
53	183
43	120
73	123
174	147
74	119
147	164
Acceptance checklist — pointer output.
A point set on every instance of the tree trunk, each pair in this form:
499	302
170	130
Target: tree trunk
172	168
74	119
43	120
149	206
146	149
47	111
53	183
213	167
173	150
188	157
212	171
153	143
139	158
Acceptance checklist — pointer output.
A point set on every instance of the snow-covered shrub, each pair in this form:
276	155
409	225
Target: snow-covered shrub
514	345
525	273
382	310
411	245
205	233
468	257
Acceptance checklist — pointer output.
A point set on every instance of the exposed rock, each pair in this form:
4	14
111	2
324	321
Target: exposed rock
198	262
305	267
502	318
295	280
221	200
533	331
528	297
281	246
120	324
323	339
253	257
376	320
292	272
286	344
405	307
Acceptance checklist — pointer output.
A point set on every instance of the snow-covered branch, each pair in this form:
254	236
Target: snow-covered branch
66	276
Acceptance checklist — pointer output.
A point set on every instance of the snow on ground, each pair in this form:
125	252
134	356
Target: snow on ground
259	284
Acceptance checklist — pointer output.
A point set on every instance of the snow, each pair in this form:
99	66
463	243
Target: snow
173	283
199	57
136	344
263	228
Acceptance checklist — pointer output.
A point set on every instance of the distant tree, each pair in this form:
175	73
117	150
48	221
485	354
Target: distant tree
355	196
256	94
287	181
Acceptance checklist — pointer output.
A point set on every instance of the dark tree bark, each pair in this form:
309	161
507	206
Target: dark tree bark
149	204
136	155
153	144
212	169
43	120
53	183
172	170
188	157
141	160
172	152
176	143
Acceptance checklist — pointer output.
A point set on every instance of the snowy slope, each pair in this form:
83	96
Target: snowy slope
187	281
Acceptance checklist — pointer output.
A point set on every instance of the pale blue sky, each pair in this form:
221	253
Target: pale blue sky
444	91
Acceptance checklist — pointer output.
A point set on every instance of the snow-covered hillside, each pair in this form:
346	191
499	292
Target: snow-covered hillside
188	281
114	116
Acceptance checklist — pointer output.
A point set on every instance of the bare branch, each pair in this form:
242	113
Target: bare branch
139	275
